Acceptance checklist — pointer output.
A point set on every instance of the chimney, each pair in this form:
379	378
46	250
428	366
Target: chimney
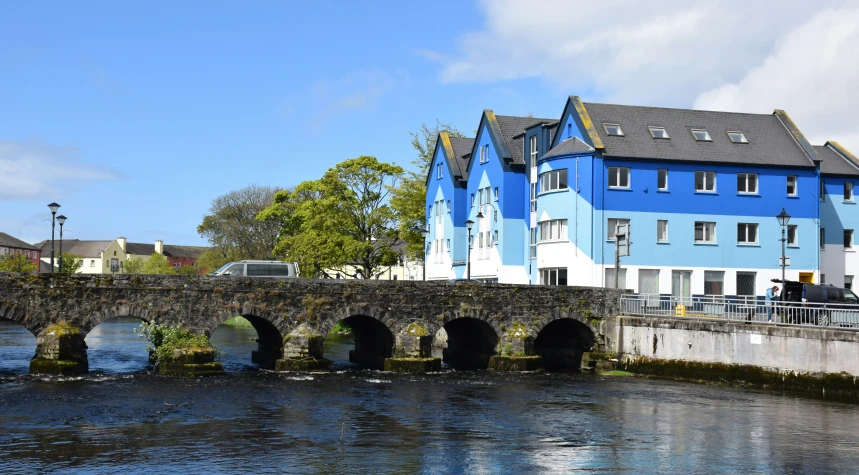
121	240
159	246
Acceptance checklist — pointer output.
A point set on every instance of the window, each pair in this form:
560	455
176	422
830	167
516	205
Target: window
448	206
662	179
848	239
714	282
791	235
438	171
701	135
92	263
737	137
553	180
611	227
534	151
822	238
746	283
848	191
705	181
848	281
705	231
496	193
822	190
613	129
533	197
822	278
618	177
662	230
747	233
609	278
553	230
791	185
556	276
533	243
658	132
747	183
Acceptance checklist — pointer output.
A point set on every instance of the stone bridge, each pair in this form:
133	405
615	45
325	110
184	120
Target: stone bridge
393	321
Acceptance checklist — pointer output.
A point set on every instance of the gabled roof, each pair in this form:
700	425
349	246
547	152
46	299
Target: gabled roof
462	151
139	248
76	247
9	241
836	160
512	129
568	147
192	252
455	148
773	139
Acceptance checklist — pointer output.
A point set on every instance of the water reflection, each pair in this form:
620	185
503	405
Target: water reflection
114	348
17	348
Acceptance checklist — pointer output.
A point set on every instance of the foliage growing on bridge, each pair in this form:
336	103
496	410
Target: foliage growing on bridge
17	263
163	339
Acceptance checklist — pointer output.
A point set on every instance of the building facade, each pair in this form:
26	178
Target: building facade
699	189
109	257
12	246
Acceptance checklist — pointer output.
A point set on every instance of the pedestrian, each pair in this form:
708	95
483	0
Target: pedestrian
771	298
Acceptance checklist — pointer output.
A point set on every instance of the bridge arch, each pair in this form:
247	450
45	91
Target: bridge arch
562	338
17	314
472	337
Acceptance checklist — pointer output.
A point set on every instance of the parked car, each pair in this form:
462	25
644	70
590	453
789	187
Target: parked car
819	304
258	269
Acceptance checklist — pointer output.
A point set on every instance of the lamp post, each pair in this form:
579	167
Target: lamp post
61	219
468	225
480	215
53	207
424	232
783	219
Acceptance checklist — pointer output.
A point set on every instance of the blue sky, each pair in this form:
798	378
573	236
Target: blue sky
135	116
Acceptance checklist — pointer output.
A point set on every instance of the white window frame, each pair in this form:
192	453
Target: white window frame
553	176
533	197
608	132
533	151
795	182
611	226
533	243
708	231
662	228
848	191
795	241
663	133
549	276
659	172
439	171
741	139
706	135
746	227
746	177
705	182
617	171
553	230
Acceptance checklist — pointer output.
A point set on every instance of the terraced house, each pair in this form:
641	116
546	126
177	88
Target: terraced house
700	189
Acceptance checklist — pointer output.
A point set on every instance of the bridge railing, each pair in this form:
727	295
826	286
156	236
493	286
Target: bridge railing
841	315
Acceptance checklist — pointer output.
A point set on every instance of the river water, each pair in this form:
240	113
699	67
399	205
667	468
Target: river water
124	419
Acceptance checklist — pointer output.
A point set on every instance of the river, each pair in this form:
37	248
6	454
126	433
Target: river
124	419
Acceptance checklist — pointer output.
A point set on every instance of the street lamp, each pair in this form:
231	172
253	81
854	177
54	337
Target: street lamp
494	220
61	219
424	232
468	225
53	207
783	219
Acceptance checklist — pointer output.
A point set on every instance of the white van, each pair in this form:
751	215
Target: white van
258	269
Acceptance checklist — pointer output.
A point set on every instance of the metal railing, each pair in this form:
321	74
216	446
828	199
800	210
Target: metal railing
742	308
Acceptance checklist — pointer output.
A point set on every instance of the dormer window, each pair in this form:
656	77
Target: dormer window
737	137
701	135
658	132
613	129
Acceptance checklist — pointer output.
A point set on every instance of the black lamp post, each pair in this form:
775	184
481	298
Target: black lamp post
53	207
494	225
468	225
61	219
783	219
424	232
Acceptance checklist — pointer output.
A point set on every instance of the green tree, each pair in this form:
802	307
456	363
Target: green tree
17	263
157	264
232	228
409	199
133	266
341	219
187	270
71	263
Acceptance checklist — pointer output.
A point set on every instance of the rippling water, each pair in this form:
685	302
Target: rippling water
122	418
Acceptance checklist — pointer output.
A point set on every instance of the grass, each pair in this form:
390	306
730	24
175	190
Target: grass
341	328
237	322
615	373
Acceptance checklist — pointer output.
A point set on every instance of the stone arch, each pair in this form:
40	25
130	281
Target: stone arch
92	319
374	330
17	314
563	338
537	325
383	316
472	336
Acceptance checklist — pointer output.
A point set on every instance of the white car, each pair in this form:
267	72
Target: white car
258	269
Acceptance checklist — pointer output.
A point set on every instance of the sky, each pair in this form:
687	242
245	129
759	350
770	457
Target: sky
135	116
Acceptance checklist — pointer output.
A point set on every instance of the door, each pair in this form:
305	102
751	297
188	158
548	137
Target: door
681	286
648	286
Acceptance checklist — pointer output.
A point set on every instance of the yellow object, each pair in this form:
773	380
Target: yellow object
680	310
806	277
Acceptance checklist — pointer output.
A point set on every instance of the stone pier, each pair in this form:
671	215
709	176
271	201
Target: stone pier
60	350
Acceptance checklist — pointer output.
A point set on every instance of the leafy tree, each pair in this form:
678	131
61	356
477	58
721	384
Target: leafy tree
157	264
71	263
231	225
341	219
133	266
17	263
214	257
187	270
409	199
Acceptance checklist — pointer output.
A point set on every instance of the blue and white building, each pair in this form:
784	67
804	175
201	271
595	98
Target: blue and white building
700	190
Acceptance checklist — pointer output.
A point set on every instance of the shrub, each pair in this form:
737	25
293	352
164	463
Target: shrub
163	339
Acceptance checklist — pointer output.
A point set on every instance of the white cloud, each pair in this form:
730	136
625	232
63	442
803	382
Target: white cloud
30	171
812	73
356	90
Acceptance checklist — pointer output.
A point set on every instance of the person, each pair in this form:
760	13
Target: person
771	298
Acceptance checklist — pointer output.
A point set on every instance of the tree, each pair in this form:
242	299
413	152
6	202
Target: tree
157	264
343	219
71	263
17	263
231	225
409	199
133	266
187	270
214	257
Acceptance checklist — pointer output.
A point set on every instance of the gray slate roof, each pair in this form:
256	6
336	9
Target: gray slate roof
462	148
511	130
832	163
569	146
770	143
192	252
75	246
9	241
140	249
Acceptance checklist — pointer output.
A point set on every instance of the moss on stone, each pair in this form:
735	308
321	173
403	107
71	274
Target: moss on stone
615	373
169	368
516	331
62	328
416	330
58	367
515	363
412	365
307	364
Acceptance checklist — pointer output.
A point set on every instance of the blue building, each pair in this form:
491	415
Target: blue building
700	190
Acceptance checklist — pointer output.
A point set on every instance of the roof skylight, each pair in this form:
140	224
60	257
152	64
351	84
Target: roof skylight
701	135
658	132
613	129
737	137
